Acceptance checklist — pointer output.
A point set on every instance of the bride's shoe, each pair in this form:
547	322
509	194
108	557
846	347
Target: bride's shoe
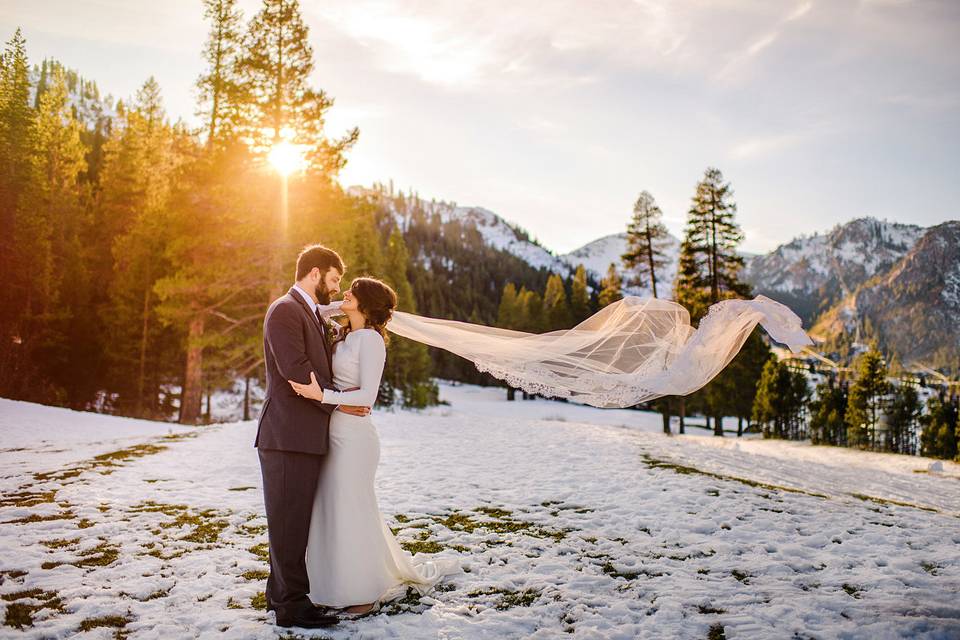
346	614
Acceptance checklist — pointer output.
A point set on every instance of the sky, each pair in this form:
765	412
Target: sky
555	115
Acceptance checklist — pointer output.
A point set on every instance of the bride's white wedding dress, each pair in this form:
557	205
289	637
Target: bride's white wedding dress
352	556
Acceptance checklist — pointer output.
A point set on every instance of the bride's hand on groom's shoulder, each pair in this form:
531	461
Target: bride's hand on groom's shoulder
311	391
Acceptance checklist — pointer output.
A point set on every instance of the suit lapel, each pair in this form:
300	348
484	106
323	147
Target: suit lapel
303	303
316	322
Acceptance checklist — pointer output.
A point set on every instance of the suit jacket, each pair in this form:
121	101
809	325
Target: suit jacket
293	346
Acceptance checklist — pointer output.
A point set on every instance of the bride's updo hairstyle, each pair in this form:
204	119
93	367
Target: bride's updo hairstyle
376	301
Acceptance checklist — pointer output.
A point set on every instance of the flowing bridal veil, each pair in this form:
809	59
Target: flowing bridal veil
631	351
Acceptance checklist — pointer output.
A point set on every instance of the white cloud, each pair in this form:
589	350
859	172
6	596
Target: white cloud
762	146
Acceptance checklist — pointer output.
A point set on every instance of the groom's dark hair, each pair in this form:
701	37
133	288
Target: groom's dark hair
317	255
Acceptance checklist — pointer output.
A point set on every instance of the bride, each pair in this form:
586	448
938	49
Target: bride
353	561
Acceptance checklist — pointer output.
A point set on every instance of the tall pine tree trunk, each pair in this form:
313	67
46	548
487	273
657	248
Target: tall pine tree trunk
141	377
653	272
683	415
246	399
718	426
192	396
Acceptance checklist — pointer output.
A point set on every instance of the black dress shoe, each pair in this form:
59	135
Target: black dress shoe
307	620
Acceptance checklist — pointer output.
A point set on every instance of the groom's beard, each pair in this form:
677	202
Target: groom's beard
323	295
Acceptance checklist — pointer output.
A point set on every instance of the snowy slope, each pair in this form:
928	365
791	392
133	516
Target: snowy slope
843	258
495	230
568	520
501	235
596	257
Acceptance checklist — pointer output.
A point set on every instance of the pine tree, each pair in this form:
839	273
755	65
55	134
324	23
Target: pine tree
828	414
579	296
647	240
531	317
48	226
275	69
139	172
866	399
709	263
903	417
611	288
220	90
206	294
16	133
556	311
780	400
940	429
508	312
407	369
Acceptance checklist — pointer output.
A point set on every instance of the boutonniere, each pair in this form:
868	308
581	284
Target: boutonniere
334	331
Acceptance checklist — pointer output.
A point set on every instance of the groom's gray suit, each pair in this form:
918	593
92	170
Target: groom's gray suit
292	436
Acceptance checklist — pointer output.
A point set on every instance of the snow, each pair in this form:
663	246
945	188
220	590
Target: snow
862	246
614	530
596	257
498	234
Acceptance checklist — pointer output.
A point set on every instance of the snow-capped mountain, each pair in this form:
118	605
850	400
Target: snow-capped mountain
495	230
913	308
597	256
814	272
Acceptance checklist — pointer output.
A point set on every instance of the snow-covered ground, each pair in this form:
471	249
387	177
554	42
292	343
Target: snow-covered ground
567	519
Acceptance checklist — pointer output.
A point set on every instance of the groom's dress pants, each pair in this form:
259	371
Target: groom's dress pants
289	485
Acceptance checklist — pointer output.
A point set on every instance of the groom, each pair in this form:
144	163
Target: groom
292	432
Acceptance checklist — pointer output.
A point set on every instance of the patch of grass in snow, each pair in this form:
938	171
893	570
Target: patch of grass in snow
852	590
103	463
502	524
410	602
99	556
33	517
628	574
240	488
11	573
261	550
59	543
206	527
253	529
183	435
207	524
508	599
494	512
256	574
888	502
715	632
654	463
19	614
422	544
259	601
149	506
84	524
929	567
28	498
233	604
740	576
708	609
113	622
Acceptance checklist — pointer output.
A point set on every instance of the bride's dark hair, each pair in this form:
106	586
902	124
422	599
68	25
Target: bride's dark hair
376	301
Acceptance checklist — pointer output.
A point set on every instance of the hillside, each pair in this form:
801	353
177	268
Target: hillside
566	519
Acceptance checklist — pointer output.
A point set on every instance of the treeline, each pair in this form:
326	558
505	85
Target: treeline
139	254
710	270
865	412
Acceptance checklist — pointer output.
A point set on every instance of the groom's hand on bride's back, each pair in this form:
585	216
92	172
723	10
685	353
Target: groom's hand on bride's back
352	409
